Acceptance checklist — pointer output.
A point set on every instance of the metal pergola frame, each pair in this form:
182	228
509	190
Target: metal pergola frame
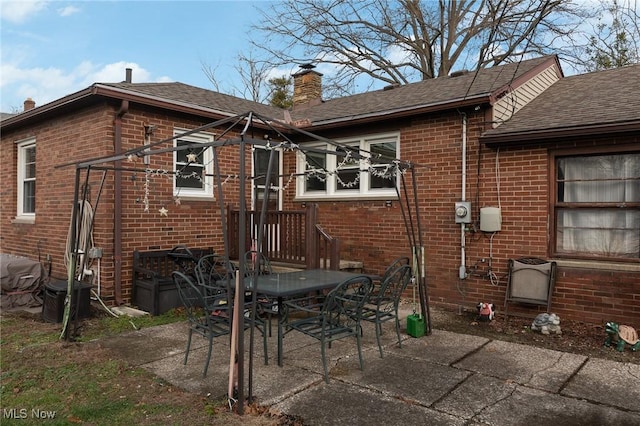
250	122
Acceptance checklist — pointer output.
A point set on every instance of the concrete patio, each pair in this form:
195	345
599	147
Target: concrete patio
440	379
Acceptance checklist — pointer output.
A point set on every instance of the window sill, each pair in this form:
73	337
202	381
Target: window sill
190	198
598	265
24	220
356	198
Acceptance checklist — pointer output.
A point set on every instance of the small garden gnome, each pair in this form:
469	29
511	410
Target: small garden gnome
486	311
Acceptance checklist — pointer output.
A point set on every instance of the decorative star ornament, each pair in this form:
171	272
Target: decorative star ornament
191	157
163	211
131	158
177	201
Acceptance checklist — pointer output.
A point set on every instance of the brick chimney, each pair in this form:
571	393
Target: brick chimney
307	86
29	104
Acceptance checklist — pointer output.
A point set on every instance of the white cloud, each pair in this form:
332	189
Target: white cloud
44	85
20	11
281	72
68	11
115	72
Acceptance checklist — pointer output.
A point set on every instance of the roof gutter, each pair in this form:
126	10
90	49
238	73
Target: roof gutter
98	89
401	112
159	102
46	108
156	101
547	135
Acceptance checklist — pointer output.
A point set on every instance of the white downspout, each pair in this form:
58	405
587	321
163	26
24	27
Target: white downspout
462	273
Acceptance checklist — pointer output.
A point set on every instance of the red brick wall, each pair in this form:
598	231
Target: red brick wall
374	233
58	141
87	135
191	222
370	231
598	296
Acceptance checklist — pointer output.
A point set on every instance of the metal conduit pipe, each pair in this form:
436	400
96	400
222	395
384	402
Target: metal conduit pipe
462	273
117	205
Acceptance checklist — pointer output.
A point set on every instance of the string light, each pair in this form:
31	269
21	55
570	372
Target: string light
347	164
383	171
146	191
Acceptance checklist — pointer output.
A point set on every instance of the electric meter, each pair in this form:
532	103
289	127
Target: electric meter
463	212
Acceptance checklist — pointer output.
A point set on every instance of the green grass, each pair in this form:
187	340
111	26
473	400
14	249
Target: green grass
79	383
109	326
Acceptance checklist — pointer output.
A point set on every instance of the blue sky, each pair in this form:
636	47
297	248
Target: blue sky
53	48
49	49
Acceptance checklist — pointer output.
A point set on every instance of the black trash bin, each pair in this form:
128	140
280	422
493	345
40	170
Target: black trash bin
55	291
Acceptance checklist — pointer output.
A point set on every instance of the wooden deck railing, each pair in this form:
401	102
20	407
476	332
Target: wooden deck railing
292	237
327	249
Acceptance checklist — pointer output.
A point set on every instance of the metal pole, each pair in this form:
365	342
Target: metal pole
240	280
71	268
422	280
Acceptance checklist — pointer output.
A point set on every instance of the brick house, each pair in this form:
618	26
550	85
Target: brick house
469	135
570	162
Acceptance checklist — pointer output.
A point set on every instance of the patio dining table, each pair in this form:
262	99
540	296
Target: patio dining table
289	284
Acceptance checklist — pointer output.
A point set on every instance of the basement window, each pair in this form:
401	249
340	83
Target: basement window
193	165
356	168
597	206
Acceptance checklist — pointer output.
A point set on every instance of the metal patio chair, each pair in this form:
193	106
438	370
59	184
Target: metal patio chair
259	264
338	318
210	315
215	273
208	318
395	264
531	281
382	305
185	258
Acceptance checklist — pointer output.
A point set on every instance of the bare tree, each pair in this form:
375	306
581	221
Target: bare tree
253	77
614	43
409	40
253	74
210	72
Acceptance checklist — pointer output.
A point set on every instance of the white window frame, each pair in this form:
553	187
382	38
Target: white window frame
275	186
206	160
23	146
332	188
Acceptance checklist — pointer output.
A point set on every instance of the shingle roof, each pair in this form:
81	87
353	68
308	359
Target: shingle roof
438	91
435	94
588	100
5	115
180	92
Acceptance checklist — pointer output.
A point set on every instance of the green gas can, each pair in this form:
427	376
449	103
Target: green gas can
415	325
